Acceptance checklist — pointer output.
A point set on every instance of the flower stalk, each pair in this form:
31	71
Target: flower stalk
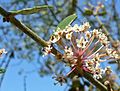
76	52
83	49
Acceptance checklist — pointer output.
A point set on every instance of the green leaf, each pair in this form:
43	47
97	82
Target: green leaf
102	13
26	11
88	12
2	70
65	22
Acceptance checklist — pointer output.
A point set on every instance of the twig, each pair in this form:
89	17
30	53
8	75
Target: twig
6	67
104	28
43	43
24	79
23	28
95	81
53	14
26	30
116	17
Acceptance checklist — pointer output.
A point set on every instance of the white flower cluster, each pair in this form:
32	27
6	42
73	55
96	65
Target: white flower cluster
112	53
82	48
93	66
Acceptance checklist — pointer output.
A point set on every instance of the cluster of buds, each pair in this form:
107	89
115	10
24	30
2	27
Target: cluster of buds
82	48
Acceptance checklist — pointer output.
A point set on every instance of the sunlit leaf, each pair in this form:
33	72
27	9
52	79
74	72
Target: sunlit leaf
88	12
65	22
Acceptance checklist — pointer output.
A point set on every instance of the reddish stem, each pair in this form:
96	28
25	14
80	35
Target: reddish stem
91	51
91	39
71	71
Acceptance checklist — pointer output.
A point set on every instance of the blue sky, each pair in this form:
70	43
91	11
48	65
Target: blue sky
14	82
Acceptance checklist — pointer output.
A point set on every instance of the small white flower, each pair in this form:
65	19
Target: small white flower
109	50
97	58
89	63
81	43
82	28
88	34
76	28
68	52
112	53
59	33
115	55
68	29
69	35
98	73
47	50
85	26
54	38
102	38
95	32
97	76
73	62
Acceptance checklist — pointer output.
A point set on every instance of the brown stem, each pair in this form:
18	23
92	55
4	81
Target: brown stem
94	81
43	43
22	27
104	28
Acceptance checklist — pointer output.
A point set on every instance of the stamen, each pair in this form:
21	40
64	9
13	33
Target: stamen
96	51
91	50
71	71
91	39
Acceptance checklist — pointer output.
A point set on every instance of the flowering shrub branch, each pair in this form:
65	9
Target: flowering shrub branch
79	46
84	50
22	27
